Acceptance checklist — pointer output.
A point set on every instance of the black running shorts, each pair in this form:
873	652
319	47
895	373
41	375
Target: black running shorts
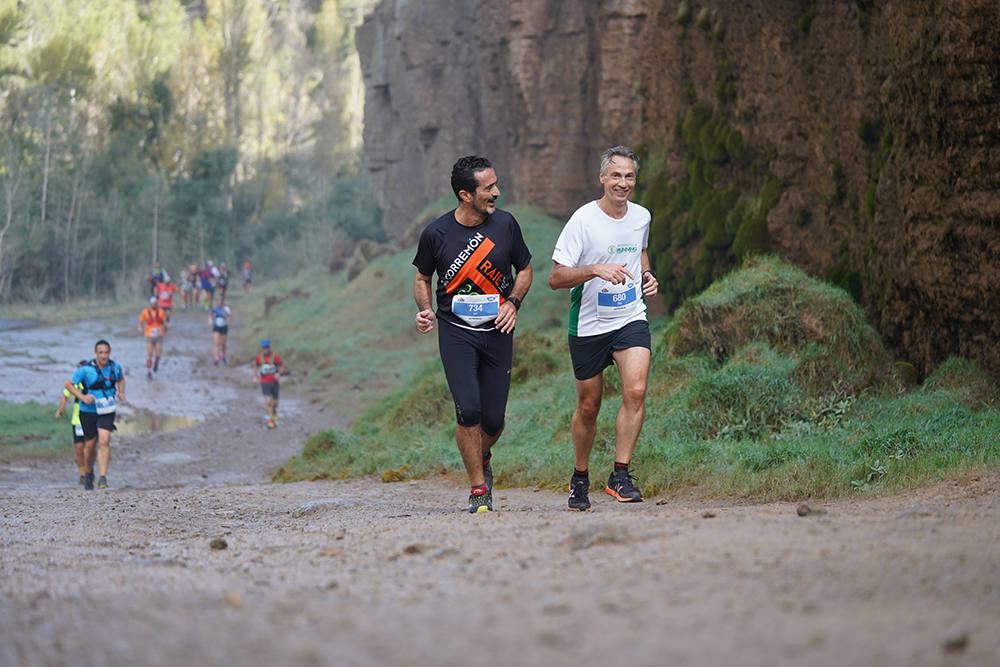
269	389
91	421
477	366
592	354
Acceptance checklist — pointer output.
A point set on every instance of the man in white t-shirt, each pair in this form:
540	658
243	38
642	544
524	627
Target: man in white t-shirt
601	257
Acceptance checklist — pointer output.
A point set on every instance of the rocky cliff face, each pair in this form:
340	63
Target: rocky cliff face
880	121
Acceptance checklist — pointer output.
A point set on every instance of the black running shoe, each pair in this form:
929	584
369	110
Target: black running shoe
88	481
579	500
102	483
488	476
620	486
482	502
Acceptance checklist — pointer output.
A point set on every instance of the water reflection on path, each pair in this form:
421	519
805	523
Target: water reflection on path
36	362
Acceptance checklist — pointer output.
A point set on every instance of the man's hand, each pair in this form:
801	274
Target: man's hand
425	320
507	318
649	284
616	274
88	399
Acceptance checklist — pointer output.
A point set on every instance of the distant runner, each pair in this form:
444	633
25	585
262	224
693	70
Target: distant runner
82	464
187	287
165	295
205	277
267	369
153	324
219	318
222	281
156	275
103	384
247	276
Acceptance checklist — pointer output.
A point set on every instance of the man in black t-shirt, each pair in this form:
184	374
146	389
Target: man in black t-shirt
484	271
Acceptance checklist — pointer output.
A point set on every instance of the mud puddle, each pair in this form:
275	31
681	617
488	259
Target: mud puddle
36	362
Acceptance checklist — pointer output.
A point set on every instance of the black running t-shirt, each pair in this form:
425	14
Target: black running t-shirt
471	260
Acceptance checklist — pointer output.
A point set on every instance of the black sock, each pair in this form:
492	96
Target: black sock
581	473
479	490
621	467
487	457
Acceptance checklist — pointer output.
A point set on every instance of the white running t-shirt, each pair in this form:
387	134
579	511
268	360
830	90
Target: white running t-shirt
593	237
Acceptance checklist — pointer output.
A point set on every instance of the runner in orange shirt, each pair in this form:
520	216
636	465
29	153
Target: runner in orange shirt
156	325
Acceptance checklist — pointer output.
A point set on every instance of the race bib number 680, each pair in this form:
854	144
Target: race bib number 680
614	301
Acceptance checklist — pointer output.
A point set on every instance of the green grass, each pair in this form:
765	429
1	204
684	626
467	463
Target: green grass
29	430
768	385
57	313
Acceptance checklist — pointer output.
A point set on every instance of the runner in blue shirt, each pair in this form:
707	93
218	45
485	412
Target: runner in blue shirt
103	384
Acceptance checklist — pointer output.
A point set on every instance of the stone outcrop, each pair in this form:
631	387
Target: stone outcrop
880	121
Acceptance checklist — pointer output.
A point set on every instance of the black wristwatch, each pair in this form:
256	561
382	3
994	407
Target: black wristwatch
514	300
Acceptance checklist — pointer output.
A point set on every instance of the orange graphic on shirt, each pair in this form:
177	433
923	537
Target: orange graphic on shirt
469	272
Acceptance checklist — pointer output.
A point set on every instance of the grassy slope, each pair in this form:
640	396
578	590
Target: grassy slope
756	424
29	430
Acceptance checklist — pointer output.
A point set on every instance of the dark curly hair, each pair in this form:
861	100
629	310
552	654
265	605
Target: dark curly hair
463	174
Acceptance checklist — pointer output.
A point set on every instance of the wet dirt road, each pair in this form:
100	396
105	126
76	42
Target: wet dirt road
193	558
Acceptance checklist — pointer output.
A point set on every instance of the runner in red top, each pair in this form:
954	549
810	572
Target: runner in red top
165	295
267	369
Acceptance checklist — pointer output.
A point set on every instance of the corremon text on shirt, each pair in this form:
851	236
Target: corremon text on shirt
462	256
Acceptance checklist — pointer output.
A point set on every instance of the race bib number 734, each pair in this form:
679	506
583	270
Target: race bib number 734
476	309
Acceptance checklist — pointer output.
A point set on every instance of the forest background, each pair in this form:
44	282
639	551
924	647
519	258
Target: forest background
177	131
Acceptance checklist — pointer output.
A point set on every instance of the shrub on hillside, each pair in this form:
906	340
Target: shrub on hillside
974	386
768	301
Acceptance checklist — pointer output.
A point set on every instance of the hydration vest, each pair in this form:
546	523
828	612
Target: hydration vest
105	384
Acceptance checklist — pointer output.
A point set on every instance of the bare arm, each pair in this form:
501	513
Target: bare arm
570	276
649	283
62	406
508	313
422	295
84	398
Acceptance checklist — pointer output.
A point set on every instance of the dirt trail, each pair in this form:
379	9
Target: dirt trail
358	572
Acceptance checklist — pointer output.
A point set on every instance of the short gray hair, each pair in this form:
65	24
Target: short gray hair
620	151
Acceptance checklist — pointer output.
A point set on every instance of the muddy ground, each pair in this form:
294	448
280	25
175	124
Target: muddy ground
193	557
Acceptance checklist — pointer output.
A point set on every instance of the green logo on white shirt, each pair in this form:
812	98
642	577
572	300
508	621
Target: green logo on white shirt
617	250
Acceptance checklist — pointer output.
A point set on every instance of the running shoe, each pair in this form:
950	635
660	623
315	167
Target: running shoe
479	503
102	483
83	480
88	481
579	500
620	486
224	363
488	475
271	423
149	376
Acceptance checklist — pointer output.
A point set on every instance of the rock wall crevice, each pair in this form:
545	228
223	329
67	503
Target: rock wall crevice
880	120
